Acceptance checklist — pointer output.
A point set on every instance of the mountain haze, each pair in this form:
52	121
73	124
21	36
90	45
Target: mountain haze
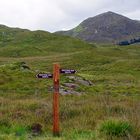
106	27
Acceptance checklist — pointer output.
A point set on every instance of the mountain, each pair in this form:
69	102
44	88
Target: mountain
106	27
16	42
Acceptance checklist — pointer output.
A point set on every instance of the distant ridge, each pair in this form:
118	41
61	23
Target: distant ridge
106	27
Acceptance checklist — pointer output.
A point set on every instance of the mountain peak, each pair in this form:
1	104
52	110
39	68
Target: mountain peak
110	12
109	16
106	27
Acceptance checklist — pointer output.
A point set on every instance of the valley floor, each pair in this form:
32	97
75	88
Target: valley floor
109	109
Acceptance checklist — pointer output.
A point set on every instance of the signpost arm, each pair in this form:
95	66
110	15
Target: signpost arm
56	73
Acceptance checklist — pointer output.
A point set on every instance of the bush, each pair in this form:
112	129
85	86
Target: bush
116	128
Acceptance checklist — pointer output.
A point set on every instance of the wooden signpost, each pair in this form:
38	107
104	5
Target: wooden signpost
56	131
56	77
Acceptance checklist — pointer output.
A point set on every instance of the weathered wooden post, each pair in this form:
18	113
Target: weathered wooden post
56	73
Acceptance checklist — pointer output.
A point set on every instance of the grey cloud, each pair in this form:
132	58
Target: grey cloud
53	15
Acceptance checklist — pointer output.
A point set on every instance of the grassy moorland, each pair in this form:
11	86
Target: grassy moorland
107	110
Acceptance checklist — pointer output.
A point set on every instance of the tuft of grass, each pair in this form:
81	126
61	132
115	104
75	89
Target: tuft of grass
12	132
81	135
116	128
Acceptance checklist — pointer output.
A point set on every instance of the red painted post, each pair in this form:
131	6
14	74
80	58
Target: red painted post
56	73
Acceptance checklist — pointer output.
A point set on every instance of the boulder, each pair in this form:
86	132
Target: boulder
80	80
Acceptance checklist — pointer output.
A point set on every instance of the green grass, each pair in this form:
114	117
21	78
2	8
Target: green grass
25	100
116	128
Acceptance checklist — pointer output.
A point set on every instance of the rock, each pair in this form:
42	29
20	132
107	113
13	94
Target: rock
70	85
80	80
25	67
71	77
84	82
65	91
68	92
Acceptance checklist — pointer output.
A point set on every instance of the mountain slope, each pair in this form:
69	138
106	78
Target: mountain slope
15	42
106	27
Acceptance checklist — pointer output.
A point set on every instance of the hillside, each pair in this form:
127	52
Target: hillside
107	108
114	96
15	42
107	27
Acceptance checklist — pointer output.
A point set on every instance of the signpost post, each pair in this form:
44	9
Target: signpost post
56	131
55	76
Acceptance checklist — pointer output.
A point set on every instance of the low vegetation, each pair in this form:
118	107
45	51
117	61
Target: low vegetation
116	128
107	110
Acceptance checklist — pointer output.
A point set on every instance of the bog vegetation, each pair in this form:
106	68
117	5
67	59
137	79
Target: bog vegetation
108	109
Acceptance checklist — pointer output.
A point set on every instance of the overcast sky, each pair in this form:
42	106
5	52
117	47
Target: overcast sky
54	15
